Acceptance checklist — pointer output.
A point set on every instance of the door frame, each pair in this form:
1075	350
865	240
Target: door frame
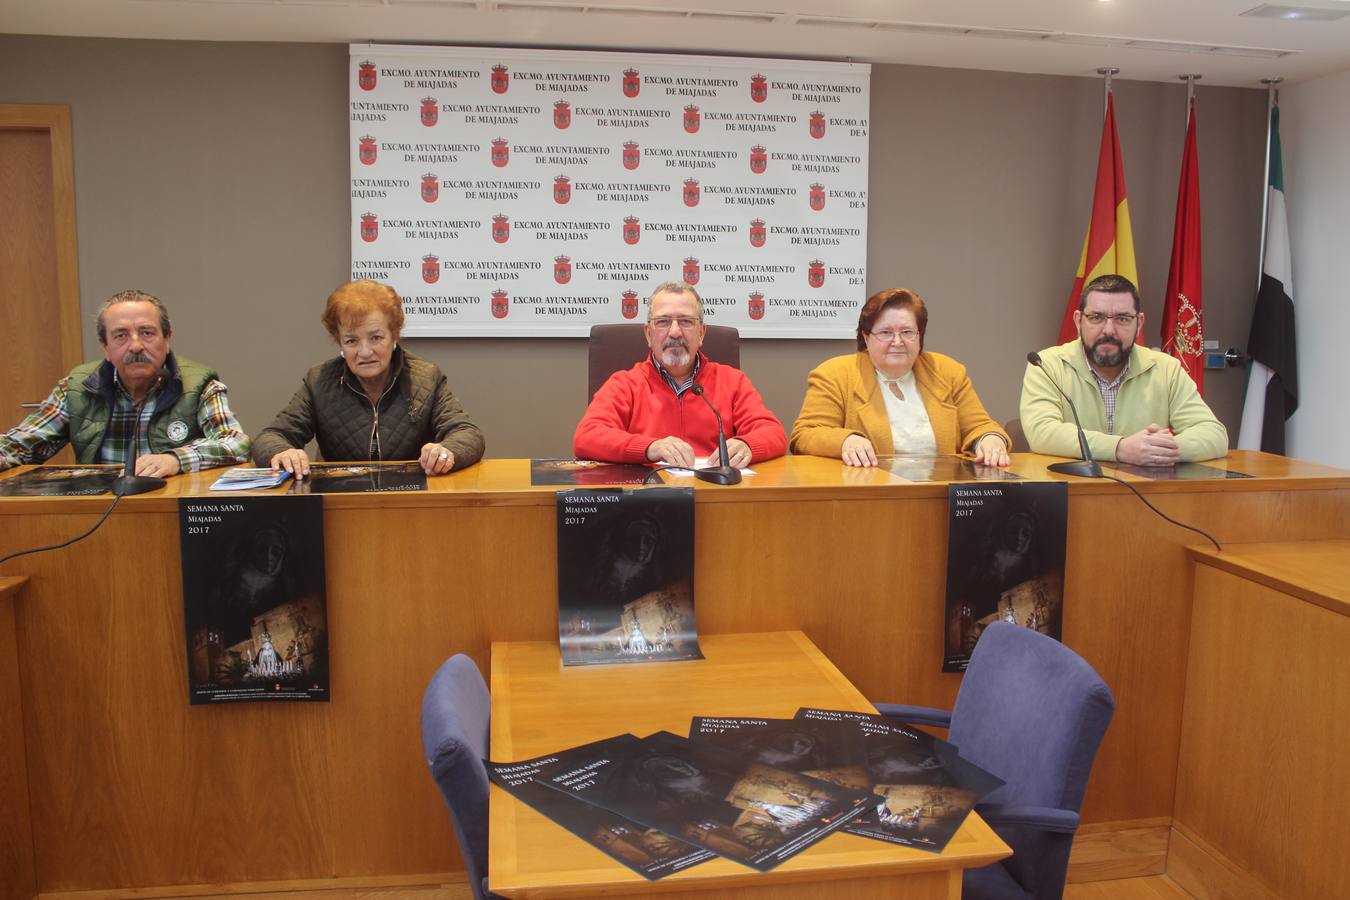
55	120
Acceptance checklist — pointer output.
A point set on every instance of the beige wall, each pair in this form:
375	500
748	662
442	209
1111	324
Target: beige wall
1315	132
215	176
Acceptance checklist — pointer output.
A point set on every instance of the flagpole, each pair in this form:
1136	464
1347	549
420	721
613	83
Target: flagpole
1106	72
1272	100
1190	80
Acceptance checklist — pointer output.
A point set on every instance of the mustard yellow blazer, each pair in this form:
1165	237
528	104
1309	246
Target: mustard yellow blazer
843	397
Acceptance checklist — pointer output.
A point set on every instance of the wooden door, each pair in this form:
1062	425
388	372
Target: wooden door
39	290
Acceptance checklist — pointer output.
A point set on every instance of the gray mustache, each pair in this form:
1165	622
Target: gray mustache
135	358
675	342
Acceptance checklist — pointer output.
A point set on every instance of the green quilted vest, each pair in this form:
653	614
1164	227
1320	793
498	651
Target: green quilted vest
170	427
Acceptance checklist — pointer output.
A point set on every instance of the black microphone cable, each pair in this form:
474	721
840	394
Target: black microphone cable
1095	470
102	519
1206	534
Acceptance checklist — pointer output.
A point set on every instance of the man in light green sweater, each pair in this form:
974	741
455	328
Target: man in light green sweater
1138	406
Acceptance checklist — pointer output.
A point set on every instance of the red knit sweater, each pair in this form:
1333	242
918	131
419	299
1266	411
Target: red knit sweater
636	407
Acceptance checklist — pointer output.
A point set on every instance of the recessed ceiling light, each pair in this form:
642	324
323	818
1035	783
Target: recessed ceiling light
1291	13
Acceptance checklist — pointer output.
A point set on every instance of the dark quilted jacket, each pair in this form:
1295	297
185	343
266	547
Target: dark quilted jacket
416	408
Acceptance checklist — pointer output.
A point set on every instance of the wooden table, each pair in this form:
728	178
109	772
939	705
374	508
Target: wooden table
540	707
855	559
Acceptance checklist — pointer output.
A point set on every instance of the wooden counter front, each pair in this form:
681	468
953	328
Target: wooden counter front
1262	781
132	787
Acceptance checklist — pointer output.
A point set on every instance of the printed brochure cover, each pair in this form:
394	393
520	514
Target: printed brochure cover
361	478
254	598
751	813
651	853
588	472
1005	561
626	575
924	789
61	481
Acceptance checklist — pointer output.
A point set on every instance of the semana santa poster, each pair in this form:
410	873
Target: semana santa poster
540	192
1005	561
254	598
626	575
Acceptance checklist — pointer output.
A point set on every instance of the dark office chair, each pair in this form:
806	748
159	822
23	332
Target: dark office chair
615	347
1019	437
455	711
1031	711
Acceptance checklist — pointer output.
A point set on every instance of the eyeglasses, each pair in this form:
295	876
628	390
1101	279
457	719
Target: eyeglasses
1096	320
663	323
908	335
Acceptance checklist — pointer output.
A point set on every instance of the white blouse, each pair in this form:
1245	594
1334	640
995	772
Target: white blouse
911	430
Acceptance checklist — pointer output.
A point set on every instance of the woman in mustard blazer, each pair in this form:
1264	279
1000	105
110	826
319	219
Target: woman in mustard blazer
893	397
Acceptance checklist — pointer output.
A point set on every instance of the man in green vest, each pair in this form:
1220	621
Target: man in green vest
175	409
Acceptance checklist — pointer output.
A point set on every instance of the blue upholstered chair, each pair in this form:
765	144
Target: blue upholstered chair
455	741
1031	711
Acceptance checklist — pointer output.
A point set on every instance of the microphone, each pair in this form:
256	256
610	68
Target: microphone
129	482
723	474
1088	468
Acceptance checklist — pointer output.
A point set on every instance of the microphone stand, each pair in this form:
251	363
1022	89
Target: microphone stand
1088	467
723	474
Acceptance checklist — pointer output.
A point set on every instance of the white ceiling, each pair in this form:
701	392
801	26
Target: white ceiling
1062	37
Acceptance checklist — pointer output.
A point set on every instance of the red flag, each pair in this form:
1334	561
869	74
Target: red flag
1108	247
1182	322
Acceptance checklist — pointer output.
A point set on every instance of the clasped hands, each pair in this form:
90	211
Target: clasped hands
1154	446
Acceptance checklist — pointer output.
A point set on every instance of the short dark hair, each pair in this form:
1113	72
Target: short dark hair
1109	284
355	300
132	296
891	298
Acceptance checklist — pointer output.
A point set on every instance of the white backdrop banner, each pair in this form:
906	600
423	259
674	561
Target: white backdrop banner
538	193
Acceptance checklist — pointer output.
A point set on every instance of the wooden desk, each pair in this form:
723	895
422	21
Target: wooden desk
416	577
1262	781
539	707
17	878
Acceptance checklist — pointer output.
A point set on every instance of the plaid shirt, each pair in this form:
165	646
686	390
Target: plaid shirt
1109	391
678	387
40	436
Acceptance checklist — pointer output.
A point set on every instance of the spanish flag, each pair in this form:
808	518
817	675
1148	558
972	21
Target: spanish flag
1108	248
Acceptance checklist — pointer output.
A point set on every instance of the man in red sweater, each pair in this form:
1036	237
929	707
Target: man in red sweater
649	414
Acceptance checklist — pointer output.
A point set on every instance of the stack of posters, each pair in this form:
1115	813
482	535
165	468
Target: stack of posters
254	598
1005	561
61	481
756	791
651	853
361	478
926	788
588	472
626	576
